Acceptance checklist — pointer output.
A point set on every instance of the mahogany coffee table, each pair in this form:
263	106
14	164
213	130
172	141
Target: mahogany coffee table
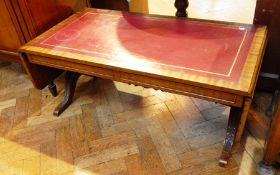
215	61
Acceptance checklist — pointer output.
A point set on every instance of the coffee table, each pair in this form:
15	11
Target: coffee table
210	60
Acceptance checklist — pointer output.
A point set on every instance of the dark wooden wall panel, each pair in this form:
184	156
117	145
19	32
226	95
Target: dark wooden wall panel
268	13
111	4
8	33
42	15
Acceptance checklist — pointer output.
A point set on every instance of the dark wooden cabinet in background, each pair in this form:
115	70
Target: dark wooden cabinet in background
268	13
10	33
22	20
111	4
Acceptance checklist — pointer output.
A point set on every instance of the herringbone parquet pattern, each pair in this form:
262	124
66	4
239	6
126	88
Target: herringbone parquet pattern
112	128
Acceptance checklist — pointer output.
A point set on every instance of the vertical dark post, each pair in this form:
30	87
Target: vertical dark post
71	79
52	88
181	6
272	143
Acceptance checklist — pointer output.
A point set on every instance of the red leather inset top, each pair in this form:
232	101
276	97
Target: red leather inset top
202	48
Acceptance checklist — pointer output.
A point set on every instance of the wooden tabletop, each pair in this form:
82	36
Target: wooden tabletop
215	55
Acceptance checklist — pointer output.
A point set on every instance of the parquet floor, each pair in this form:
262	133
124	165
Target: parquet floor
113	128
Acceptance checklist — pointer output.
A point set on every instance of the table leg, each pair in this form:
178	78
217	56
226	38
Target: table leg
235	128
181	6
71	79
233	121
52	88
244	116
272	144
